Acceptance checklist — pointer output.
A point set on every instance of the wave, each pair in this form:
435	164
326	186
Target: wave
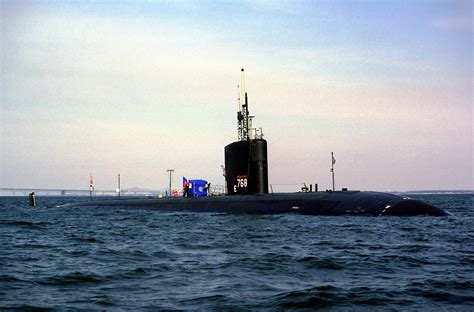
316	297
89	239
75	278
325	296
321	263
24	224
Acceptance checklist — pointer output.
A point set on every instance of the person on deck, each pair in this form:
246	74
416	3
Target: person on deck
186	189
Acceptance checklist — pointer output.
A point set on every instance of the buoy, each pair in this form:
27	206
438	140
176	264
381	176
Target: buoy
32	199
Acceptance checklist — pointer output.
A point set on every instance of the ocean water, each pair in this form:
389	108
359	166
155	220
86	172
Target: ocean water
111	259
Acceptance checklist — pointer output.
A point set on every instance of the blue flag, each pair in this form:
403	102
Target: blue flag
333	160
184	180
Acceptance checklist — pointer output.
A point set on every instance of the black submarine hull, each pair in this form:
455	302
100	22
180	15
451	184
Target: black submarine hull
317	203
246	175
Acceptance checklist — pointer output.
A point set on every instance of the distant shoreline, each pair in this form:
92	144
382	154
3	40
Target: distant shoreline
436	192
417	192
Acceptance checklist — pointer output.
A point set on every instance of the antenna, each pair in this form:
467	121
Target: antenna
239	115
243	115
245	120
242	80
245	130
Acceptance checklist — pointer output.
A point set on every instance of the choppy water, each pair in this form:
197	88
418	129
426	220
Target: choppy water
92	258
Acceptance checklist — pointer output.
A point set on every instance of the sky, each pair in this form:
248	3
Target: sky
140	87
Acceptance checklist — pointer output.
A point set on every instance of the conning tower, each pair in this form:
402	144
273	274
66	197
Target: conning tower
246	168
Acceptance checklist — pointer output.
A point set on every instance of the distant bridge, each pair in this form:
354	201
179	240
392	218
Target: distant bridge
17	191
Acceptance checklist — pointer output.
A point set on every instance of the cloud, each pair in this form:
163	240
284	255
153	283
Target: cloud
455	23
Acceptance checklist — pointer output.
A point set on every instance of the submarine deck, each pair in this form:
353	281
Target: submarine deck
313	203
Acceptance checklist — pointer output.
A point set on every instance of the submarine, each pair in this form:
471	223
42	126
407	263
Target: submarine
247	192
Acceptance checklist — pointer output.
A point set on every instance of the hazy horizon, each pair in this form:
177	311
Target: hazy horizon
138	88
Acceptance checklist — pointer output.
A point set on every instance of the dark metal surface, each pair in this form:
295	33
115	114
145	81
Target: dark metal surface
321	203
246	167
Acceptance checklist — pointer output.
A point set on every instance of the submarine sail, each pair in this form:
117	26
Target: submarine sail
246	167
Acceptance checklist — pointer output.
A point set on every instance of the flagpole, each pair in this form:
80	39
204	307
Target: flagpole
332	171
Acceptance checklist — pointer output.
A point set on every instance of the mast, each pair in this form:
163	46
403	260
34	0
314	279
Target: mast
243	113
245	120
239	114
